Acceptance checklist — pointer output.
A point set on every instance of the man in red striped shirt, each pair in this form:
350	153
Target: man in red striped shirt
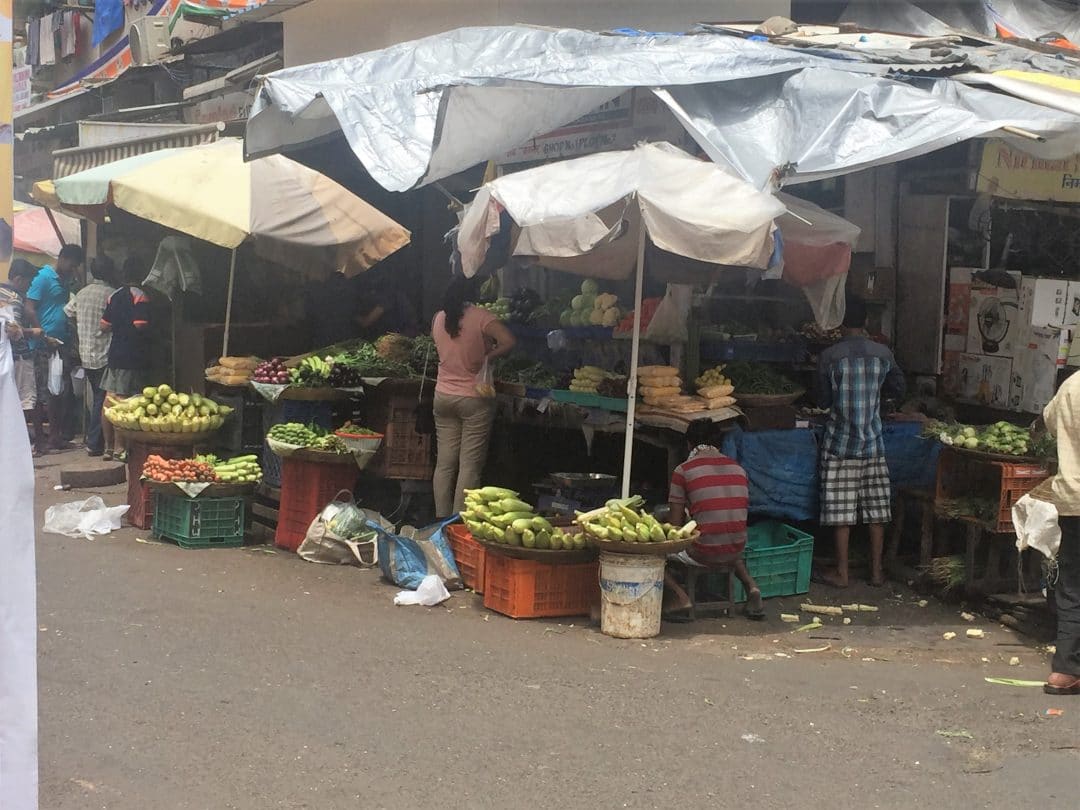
714	489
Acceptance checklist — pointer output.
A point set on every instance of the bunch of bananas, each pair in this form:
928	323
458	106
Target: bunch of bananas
312	372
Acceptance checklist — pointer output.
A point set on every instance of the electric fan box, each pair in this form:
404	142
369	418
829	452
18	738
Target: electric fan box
1051	302
994	321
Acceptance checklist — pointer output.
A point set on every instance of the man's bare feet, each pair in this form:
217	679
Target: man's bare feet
755	607
832	578
674	602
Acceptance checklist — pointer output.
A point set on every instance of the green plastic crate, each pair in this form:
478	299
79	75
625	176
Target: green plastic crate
779	558
200	522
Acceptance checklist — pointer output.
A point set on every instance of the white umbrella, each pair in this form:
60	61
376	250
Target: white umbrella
688	206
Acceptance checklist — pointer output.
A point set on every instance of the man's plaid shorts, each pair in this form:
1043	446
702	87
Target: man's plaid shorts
854	490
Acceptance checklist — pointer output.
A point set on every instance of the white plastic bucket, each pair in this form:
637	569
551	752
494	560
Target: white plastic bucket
632	594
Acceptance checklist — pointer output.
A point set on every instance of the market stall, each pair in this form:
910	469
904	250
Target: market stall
275	207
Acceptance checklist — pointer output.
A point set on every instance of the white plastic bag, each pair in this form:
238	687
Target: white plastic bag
668	324
431	592
56	374
83	518
1036	524
485	380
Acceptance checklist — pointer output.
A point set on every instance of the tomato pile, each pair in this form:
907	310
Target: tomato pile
186	470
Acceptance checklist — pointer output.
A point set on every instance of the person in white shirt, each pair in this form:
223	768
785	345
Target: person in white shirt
1062	417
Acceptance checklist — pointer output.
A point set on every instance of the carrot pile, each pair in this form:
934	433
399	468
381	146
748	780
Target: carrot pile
171	470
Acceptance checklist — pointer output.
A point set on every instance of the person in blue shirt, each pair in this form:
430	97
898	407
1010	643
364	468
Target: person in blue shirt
855	482
45	301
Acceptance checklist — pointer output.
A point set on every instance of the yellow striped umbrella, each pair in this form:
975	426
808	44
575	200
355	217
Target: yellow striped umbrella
211	193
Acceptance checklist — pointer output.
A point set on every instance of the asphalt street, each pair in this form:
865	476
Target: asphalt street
251	679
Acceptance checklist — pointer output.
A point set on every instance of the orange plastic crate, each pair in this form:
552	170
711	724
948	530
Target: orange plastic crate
306	488
471	557
1017	480
524	589
960	475
139	495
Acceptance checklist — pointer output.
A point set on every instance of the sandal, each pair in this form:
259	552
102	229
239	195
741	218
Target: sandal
1063	687
107	455
122	456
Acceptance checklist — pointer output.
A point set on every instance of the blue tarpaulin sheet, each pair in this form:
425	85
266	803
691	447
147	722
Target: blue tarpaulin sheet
782	466
108	17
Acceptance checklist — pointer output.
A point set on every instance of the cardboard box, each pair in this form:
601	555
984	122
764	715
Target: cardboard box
1045	301
979	378
956	315
994	321
1072	304
1035	368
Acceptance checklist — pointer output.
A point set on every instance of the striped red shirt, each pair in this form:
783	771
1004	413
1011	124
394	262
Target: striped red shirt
715	491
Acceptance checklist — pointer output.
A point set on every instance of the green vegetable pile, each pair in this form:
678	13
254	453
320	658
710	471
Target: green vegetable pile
520	369
311	436
1000	437
295	433
758	378
236	470
499	516
366	360
423	352
969	506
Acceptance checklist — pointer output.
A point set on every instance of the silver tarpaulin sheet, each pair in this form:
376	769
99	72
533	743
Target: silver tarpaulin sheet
820	123
1027	19
421	111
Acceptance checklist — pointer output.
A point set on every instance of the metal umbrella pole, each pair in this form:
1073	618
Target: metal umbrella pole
635	348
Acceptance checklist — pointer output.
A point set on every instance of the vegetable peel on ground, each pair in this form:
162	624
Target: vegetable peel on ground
1013	682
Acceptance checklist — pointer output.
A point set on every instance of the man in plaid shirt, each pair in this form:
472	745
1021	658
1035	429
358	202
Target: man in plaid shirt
854	475
85	309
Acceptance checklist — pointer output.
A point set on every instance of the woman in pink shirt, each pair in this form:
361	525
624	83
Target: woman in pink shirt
465	336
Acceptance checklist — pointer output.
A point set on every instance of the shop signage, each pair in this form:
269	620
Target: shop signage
619	124
1007	171
20	97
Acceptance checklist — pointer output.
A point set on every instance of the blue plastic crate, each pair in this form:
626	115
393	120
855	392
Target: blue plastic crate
271	467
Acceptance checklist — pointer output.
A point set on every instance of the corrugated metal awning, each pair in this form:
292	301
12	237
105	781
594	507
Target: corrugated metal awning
80	158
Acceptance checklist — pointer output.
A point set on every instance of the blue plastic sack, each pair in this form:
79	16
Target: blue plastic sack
406	558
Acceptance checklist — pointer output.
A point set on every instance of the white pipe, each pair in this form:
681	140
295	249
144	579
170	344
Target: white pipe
228	304
635	347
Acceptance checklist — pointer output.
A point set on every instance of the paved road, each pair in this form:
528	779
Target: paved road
241	679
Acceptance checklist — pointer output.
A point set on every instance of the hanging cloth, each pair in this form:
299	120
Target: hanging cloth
33	42
47	38
108	17
68	24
